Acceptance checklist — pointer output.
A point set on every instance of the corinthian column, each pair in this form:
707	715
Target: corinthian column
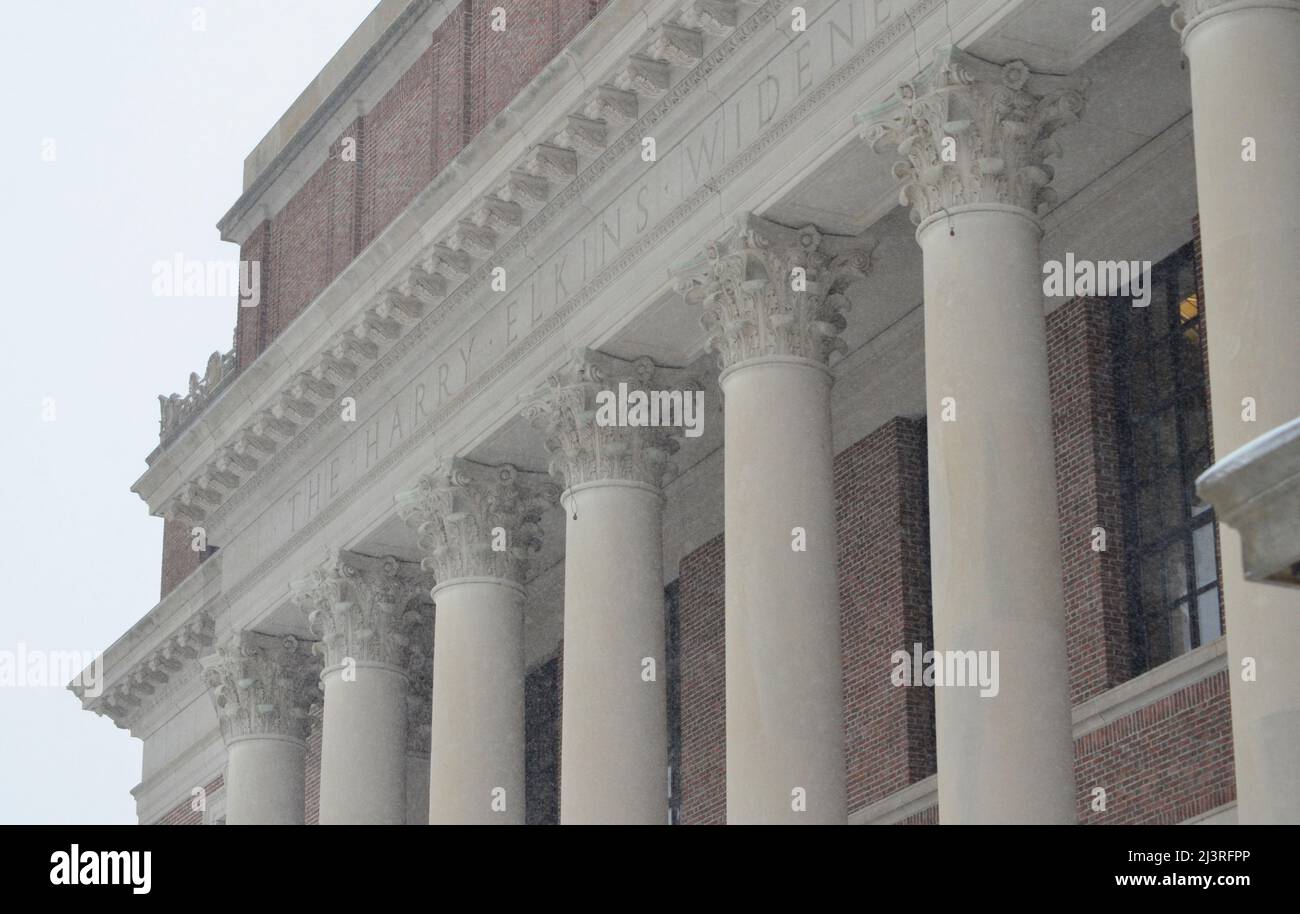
477	524
974	136
614	720
1245	75
262	688
773	304
362	609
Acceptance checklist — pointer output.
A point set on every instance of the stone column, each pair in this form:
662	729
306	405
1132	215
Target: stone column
365	611
614	731
773	299
1244	59
974	136
477	524
262	688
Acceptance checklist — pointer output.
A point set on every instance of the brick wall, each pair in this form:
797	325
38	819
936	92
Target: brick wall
467	75
928	816
252	323
398	157
179	561
1163	764
1085	410
1160	765
702	661
183	812
884	563
884	559
311	780
542	744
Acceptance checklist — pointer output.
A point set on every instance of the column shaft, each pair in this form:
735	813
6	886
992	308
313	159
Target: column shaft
476	769
262	687
363	747
364	609
785	727
477	525
615	736
1245	78
265	781
994	539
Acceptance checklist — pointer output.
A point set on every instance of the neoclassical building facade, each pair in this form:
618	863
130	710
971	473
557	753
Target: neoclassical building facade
910	535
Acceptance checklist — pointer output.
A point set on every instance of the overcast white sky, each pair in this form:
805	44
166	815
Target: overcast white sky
150	121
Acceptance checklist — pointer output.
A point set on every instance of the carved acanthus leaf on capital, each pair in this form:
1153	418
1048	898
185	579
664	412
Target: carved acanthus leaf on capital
262	685
975	132
771	290
360	607
476	520
582	448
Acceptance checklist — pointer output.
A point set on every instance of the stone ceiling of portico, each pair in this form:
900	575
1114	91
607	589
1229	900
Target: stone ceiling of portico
1136	90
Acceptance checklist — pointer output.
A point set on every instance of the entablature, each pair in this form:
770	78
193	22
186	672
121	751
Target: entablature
158	655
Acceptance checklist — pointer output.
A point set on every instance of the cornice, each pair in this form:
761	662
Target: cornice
139	668
522	201
895	31
159	674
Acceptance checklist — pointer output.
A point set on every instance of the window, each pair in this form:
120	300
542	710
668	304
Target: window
1164	444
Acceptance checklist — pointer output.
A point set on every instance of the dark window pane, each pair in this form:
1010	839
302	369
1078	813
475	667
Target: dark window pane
1163	379
1207	616
1176	570
1203	549
1195	423
1180	629
1165	445
1151	582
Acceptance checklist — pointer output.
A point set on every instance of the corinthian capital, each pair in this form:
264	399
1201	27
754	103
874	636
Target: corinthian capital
476	520
975	132
360	607
262	685
770	290
604	418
